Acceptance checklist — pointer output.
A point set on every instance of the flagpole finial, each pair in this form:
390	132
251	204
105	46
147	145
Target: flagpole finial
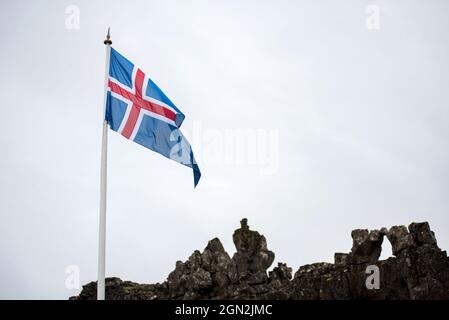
108	41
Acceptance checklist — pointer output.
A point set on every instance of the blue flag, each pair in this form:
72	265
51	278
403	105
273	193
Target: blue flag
138	110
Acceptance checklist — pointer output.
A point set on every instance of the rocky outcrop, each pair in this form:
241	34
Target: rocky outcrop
366	245
418	270
252	258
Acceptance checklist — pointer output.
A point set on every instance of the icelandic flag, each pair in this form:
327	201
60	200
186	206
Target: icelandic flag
138	110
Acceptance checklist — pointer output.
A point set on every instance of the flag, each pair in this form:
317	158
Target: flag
138	110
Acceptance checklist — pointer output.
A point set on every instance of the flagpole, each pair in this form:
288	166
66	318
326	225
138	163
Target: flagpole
103	185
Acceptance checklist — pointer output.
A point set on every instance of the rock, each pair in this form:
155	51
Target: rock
366	246
252	258
400	239
422	234
203	274
116	289
419	270
341	259
281	274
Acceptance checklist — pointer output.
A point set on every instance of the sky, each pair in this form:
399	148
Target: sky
309	118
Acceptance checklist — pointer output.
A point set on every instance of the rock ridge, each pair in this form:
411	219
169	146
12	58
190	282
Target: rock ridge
418	270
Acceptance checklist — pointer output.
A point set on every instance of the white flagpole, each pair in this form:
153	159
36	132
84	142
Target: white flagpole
103	185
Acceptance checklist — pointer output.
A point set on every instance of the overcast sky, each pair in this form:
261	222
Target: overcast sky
349	101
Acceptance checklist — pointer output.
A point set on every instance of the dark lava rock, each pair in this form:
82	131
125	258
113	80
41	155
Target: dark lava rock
418	270
252	258
366	245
